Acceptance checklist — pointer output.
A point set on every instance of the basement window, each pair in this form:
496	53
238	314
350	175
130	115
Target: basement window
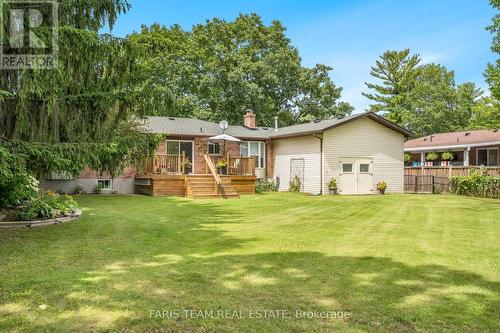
105	184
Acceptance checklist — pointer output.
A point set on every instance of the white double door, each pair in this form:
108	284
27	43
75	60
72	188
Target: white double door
356	176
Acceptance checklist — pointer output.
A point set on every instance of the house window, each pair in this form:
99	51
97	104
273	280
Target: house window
105	184
254	148
173	147
487	157
364	168
213	148
346	167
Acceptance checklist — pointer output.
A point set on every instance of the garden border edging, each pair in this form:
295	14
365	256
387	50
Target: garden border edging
38	223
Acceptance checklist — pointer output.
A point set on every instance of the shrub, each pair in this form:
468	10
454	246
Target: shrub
63	203
477	184
295	184
407	157
98	189
16	185
47	205
265	186
79	189
36	208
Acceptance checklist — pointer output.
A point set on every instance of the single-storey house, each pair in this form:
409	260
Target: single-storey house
358	151
469	148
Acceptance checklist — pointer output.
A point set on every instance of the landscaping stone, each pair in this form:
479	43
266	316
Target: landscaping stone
40	223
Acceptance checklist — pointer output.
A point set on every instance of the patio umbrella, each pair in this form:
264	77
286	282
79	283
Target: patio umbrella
224	137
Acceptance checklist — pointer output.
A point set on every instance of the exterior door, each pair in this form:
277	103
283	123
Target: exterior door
187	148
356	176
364	176
176	147
347	181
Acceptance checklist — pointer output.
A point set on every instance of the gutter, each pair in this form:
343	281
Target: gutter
320	161
482	144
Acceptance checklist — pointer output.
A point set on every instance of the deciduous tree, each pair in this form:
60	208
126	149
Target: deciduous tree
220	69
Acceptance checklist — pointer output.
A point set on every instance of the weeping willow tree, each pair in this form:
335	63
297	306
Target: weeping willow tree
82	110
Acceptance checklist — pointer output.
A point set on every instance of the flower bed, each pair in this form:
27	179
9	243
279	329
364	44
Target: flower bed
42	208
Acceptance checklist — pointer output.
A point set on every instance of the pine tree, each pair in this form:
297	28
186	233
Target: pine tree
397	71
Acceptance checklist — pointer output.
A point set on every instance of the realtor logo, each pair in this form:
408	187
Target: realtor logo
29	34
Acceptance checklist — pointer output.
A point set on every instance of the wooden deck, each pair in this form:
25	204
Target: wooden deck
176	185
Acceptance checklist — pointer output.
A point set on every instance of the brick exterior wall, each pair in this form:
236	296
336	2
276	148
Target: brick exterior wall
201	148
269	159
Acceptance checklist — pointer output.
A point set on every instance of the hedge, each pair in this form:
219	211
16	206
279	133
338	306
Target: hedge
477	184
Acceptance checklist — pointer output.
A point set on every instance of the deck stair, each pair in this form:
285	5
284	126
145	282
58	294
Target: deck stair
205	186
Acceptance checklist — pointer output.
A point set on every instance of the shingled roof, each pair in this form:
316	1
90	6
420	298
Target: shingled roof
455	139
195	127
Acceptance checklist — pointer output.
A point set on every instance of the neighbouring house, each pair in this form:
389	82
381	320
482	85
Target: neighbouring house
468	148
358	151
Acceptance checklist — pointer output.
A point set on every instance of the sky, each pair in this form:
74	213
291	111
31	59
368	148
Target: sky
349	35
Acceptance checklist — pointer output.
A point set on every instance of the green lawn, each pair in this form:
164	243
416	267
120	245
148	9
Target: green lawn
396	262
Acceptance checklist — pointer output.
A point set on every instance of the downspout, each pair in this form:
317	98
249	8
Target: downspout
320	161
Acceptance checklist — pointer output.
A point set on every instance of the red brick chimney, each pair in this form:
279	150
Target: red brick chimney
249	119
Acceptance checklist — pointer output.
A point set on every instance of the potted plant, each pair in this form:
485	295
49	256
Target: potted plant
222	166
187	165
381	187
332	186
407	158
431	157
446	157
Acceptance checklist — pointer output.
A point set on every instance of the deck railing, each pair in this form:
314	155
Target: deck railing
176	164
240	165
166	164
211	166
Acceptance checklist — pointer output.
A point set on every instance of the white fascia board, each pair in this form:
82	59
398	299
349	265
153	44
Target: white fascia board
451	147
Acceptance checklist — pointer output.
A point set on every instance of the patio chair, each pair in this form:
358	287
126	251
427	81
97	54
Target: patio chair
234	168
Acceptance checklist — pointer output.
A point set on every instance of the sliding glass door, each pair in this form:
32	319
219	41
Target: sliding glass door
487	156
176	147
